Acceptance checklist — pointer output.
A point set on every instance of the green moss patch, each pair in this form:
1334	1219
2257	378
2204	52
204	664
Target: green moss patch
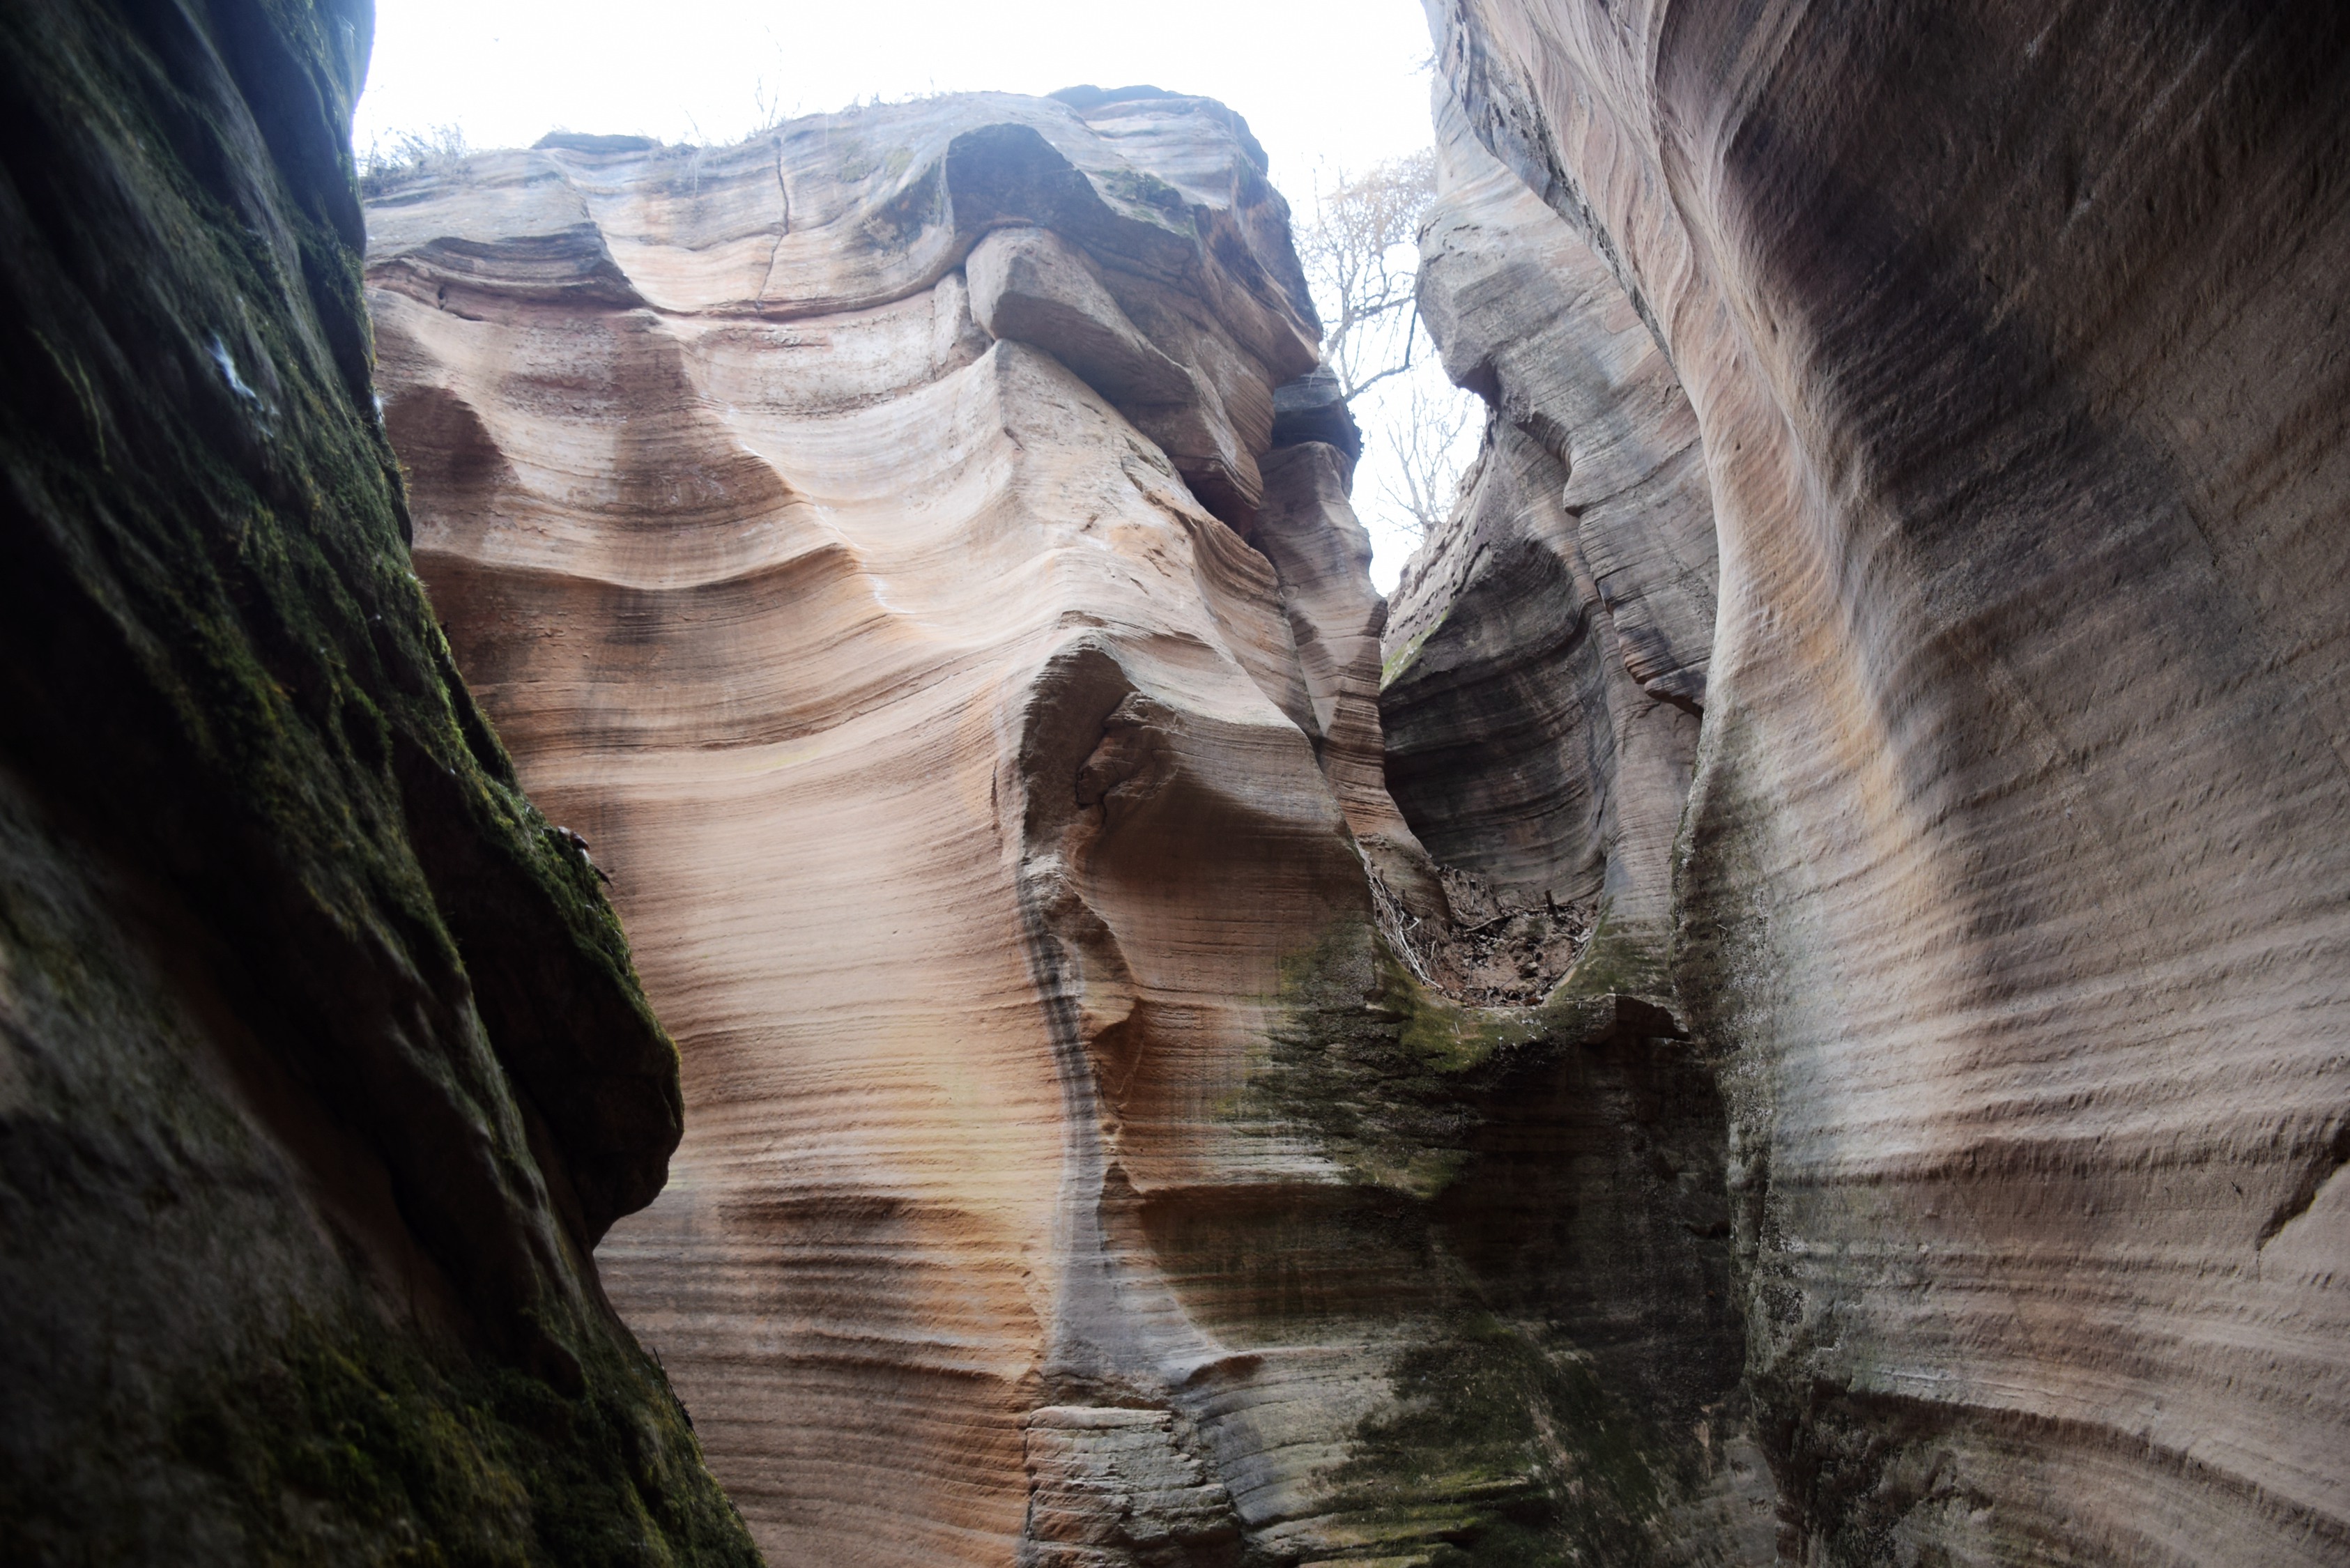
1616	961
222	683
1141	188
1392	667
1503	1449
352	1445
1525	1174
1386	1072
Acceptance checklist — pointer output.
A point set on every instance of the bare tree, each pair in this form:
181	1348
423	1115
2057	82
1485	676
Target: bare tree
1426	440
1360	251
1360	248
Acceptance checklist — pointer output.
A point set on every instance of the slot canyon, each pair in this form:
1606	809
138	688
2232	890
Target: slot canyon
718	854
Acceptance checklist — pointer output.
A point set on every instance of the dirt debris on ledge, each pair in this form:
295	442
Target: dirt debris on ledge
1499	948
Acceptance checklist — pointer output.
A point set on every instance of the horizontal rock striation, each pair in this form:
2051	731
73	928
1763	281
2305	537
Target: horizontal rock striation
2009	896
911	548
1546	655
322	1063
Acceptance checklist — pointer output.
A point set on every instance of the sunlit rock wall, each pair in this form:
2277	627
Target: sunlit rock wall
2009	898
871	537
322	1065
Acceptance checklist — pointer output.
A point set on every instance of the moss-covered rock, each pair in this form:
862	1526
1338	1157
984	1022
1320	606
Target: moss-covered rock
1545	1186
325	1065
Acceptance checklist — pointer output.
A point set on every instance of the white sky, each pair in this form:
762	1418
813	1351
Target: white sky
1323	83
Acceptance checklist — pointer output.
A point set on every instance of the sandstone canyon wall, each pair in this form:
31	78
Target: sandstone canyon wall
322	1063
912	548
1787	999
1547	648
2004	347
1888	657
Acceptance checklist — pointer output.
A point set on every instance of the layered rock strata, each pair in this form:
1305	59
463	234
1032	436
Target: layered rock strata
873	538
1546	654
322	1065
2008	900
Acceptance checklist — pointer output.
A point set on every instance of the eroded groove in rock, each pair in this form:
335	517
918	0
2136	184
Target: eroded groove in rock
322	1063
1546	655
977	713
2009	893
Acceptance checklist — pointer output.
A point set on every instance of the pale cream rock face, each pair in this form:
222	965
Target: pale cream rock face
850	533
